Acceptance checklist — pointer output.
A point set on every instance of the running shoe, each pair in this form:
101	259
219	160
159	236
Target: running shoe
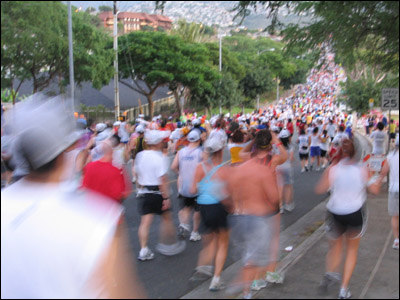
344	294
289	207
303	170
216	285
318	169
170	250
195	236
182	229
258	285
306	167
282	210
396	244
145	254
274	277
202	273
329	279
311	167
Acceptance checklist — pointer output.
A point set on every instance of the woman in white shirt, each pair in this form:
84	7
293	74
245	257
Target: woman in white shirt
346	220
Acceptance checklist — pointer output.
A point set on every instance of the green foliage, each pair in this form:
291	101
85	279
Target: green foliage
257	81
190	32
356	94
347	26
34	40
104	8
147	28
7	96
90	9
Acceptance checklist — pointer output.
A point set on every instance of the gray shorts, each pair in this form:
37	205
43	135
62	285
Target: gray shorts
251	237
285	176
393	204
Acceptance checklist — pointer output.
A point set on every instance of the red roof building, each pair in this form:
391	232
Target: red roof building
135	21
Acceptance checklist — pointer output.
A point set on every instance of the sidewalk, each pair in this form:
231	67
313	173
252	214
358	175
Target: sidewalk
376	275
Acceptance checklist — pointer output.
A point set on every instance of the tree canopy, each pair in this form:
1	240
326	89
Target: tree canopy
31	49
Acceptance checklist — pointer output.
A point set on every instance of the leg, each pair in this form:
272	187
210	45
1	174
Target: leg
184	215
207	254
196	221
144	229
395	226
351	260
222	251
334	256
167	229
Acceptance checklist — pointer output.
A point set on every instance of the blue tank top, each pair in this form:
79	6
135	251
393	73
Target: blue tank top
210	191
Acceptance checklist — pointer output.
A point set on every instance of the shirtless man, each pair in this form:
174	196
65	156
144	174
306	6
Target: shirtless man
255	206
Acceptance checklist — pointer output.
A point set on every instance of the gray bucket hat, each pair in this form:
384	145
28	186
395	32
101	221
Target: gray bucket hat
44	128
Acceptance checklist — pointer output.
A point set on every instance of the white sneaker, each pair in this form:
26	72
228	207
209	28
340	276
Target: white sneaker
303	170
396	244
344	294
318	169
145	254
290	207
194	237
216	285
258	285
274	277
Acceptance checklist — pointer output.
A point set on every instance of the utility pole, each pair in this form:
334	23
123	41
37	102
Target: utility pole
277	88
220	67
116	84
71	55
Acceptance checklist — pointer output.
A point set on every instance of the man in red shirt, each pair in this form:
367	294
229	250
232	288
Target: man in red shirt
290	127
102	177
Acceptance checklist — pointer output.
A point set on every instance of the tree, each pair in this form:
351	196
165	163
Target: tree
154	59
355	93
90	9
257	81
190	32
346	26
105	8
35	46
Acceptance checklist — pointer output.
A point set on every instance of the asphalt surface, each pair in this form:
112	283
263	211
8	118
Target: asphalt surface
168	277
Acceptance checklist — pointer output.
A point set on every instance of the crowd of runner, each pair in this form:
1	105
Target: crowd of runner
239	200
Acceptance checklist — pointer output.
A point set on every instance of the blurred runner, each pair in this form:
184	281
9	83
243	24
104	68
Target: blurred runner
185	164
58	243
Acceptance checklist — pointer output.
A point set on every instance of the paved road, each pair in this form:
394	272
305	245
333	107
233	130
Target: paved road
167	277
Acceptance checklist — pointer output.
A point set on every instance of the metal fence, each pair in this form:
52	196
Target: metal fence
160	106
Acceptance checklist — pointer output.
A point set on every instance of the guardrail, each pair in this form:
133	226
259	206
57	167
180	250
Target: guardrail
134	112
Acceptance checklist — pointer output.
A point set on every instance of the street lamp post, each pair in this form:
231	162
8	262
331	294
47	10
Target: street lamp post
71	55
258	53
220	67
116	85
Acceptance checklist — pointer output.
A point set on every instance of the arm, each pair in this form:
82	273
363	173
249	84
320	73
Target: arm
197	178
376	187
282	156
175	164
164	188
245	154
324	184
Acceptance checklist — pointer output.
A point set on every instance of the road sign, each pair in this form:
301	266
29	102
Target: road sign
371	103
390	99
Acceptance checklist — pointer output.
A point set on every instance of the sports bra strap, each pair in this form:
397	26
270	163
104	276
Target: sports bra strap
211	172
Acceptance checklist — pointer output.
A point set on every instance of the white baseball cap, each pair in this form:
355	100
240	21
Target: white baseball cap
196	122
140	129
213	145
118	123
284	134
101	127
193	136
154	137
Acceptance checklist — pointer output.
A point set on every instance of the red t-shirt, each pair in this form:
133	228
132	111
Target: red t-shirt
290	127
104	178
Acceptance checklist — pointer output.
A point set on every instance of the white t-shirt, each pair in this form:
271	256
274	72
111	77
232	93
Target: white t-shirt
393	161
53	240
331	130
340	136
123	134
325	146
379	142
188	160
348	188
303	144
150	167
315	142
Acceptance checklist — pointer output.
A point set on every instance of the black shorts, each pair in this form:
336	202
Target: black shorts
353	224
151	204
392	136
303	156
189	202
323	153
213	218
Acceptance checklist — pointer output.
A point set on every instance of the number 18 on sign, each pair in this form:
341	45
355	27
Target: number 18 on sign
390	99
